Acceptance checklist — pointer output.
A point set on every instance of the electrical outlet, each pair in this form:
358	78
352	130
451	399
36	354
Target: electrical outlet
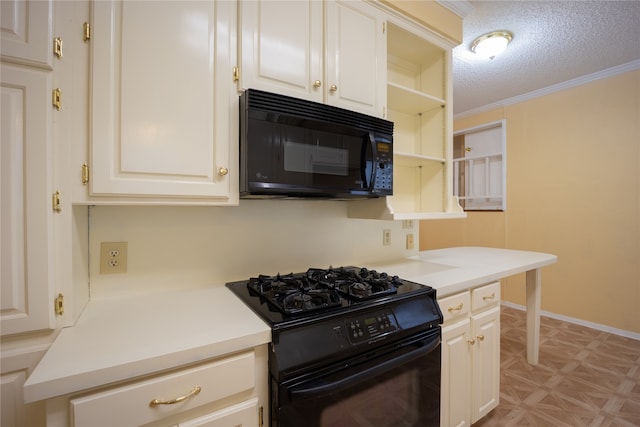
407	224
113	257
386	237
409	241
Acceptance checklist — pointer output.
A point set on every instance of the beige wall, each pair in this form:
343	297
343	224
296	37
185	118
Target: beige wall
172	247
573	189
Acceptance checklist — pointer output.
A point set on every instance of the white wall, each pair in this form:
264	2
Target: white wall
182	247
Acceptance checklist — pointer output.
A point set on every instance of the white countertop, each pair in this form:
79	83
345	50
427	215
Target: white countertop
452	270
121	338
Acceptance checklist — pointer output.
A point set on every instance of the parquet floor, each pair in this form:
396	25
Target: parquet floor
585	378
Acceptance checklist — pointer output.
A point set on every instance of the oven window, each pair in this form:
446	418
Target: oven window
389	404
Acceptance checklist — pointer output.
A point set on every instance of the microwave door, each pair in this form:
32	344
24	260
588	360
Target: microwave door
368	166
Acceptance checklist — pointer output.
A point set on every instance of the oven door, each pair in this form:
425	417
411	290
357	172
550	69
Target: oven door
397	385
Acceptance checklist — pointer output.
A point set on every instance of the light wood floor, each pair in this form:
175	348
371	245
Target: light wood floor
585	378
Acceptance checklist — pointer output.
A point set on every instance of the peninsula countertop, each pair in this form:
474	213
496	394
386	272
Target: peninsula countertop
452	270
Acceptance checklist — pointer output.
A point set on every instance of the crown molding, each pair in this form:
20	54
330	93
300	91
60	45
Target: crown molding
460	7
609	72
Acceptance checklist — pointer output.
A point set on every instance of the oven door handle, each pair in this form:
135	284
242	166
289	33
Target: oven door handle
388	365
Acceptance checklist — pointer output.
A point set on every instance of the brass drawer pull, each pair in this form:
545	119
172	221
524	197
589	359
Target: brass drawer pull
456	308
193	392
489	297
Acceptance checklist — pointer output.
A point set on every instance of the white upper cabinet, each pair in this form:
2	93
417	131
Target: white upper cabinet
163	102
281	47
355	57
289	48
27	32
26	170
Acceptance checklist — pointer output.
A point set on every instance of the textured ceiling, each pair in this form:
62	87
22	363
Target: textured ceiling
553	42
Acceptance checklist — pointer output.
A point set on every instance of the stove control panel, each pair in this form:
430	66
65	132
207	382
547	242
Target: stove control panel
371	325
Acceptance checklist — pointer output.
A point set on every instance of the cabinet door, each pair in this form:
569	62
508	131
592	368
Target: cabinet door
356	57
26	213
161	99
486	362
281	47
27	32
243	414
456	388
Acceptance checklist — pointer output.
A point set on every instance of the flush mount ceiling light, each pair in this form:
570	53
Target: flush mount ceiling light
491	44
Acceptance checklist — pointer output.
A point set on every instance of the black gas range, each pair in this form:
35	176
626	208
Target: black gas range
344	333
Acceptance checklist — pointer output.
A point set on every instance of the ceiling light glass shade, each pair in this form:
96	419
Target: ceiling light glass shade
491	44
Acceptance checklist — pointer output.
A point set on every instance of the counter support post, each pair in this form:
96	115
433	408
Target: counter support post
534	285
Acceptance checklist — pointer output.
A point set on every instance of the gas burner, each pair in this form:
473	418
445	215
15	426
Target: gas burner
357	283
294	293
310	301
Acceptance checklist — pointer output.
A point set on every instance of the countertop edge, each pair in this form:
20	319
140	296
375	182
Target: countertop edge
143	351
83	381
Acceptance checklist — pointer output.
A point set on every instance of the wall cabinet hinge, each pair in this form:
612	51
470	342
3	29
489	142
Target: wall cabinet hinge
56	99
57	47
86	32
236	74
59	304
260	416
56	202
384	27
85	174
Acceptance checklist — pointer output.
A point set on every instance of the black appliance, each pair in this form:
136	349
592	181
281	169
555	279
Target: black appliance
291	147
350	347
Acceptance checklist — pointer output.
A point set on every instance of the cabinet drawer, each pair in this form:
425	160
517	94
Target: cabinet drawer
131	404
485	296
455	306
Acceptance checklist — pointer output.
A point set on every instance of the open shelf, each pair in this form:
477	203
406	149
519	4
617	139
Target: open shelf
418	79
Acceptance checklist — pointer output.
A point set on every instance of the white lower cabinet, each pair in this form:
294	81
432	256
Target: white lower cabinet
470	355
240	415
228	391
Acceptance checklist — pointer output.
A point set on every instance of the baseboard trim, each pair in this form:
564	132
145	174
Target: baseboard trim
596	326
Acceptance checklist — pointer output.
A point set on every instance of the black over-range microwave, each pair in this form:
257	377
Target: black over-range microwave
291	147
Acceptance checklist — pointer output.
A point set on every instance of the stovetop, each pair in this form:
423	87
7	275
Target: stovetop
293	297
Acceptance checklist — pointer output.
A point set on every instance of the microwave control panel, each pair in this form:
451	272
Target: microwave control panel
384	167
384	176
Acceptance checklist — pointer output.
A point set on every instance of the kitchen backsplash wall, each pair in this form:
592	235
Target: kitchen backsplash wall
173	247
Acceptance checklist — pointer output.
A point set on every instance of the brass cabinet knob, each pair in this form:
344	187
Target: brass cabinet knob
317	84
333	88
480	337
223	171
